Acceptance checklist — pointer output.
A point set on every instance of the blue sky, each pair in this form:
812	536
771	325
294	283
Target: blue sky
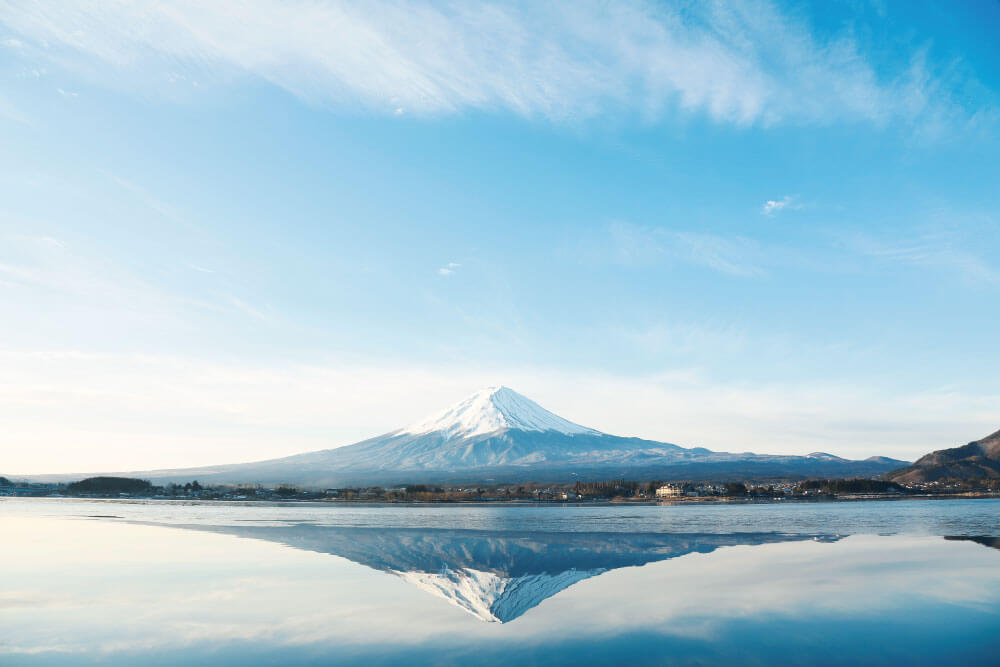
252	229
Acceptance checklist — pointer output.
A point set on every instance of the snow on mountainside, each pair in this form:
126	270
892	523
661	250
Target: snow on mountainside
823	456
490	410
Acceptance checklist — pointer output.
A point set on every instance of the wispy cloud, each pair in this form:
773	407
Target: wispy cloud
249	310
150	200
448	269
46	269
639	245
736	62
935	252
32	73
44	241
67	93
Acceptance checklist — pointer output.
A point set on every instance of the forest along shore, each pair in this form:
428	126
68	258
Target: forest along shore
612	491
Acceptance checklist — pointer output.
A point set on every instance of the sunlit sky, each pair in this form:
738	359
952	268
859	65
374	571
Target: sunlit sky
238	230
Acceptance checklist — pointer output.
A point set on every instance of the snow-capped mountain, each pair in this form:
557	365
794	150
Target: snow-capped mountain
499	435
494	428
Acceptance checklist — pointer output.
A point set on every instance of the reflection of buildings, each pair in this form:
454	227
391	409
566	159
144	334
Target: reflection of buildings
28	489
496	575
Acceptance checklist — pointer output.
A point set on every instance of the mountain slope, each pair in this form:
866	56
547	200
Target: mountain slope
979	459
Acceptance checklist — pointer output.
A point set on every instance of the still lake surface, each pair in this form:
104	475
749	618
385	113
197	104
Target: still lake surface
170	583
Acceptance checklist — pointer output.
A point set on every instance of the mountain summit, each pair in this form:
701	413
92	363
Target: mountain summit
496	435
494	409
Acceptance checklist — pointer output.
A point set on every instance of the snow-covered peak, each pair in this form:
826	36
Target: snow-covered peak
823	456
494	409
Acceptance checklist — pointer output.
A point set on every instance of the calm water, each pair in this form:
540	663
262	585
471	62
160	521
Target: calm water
118	583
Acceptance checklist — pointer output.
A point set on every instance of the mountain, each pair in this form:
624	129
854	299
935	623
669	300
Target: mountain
496	576
823	456
499	436
979	459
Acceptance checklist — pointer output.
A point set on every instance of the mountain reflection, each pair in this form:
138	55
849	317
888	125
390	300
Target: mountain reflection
496	576
986	540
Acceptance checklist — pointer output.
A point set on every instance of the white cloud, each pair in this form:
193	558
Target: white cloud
775	205
741	63
66	93
449	269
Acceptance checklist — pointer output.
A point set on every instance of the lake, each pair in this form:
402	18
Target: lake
168	583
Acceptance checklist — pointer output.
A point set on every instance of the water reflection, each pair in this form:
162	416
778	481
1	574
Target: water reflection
217	586
496	576
986	541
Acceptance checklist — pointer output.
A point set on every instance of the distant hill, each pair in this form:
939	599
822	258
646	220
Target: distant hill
108	486
979	459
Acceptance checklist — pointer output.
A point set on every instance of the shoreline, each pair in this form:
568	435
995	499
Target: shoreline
611	502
